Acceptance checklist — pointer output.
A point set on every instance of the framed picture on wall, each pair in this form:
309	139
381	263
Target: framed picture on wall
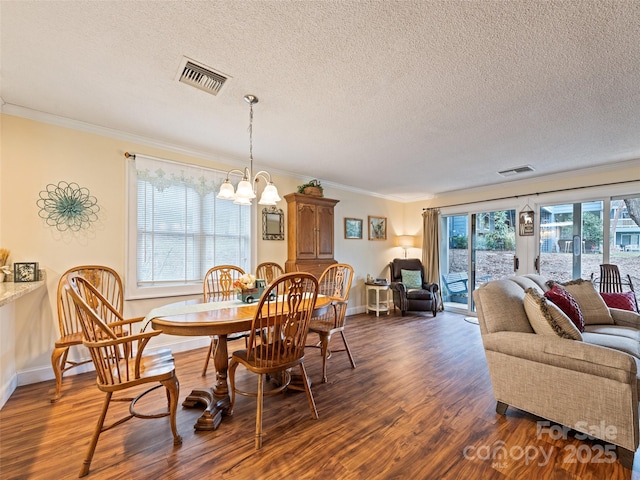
377	228
353	228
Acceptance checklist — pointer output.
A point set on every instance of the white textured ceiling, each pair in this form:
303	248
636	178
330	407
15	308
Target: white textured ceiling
405	99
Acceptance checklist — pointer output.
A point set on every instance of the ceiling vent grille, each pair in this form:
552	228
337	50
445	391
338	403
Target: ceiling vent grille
516	171
201	77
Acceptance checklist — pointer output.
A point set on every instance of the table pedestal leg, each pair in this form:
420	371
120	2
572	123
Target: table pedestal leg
216	400
212	415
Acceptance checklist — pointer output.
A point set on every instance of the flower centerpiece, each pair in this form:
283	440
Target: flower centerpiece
245	282
249	289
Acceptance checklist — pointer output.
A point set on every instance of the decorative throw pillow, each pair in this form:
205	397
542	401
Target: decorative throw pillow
623	301
411	278
565	301
547	319
592	306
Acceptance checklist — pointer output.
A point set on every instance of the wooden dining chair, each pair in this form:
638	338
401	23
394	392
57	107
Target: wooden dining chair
118	354
611	281
218	286
269	271
277	340
109	284
335	282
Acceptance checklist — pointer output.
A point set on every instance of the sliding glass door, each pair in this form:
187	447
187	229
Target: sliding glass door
468	261
493	246
571	240
575	238
454	260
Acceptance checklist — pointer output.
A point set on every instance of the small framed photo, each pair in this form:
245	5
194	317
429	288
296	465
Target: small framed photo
377	228
353	228
25	272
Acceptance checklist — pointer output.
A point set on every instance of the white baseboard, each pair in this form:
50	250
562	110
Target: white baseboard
42	374
8	389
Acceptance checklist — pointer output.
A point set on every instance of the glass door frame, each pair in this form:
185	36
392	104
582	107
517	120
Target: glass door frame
471	214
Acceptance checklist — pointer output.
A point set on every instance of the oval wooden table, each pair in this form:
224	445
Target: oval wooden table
212	318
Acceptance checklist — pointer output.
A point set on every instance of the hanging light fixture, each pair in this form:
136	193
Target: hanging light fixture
246	190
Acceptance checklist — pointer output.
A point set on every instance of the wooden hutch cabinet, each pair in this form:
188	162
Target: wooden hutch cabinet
310	227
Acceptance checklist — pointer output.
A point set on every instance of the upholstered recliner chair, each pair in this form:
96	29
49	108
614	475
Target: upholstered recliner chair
410	291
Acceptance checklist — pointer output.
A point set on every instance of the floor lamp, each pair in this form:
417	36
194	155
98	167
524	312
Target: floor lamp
406	242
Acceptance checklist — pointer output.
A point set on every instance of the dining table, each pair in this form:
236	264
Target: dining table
195	318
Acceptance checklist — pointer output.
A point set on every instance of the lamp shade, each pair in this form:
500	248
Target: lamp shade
406	241
245	191
226	191
269	195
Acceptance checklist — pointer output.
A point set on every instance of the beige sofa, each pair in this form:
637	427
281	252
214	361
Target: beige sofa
584	384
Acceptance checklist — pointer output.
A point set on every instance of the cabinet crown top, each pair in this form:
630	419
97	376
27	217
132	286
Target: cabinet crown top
301	197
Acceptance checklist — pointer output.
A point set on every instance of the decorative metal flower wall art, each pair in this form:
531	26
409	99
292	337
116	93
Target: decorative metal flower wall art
67	206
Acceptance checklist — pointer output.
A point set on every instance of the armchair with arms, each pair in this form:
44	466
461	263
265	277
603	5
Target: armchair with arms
410	291
121	362
109	284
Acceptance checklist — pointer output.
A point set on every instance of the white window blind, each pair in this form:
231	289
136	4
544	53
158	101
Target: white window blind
181	229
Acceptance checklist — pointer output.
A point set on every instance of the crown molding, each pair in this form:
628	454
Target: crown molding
623	164
51	119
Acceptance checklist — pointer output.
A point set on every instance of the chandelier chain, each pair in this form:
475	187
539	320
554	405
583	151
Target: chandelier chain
246	190
251	135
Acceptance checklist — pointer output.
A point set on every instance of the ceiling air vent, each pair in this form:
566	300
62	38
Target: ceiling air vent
516	171
201	77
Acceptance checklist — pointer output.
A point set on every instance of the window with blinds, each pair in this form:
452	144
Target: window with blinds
181	229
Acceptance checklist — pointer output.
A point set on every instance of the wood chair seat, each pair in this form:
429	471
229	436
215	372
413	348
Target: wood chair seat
322	327
265	365
149	369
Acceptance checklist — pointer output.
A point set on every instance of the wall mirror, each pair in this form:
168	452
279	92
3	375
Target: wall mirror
272	223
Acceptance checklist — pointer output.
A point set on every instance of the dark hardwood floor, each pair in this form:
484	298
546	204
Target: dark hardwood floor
418	406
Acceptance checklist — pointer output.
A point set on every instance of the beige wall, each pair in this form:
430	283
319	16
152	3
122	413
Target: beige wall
35	154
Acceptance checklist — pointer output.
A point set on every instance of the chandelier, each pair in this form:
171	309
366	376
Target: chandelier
246	190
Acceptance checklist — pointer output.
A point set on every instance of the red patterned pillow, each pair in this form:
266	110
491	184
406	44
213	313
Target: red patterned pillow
623	301
565	302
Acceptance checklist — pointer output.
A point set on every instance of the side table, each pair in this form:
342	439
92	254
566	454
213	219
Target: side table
376	304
